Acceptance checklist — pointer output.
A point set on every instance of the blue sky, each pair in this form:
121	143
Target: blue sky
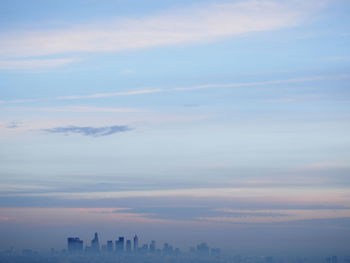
186	112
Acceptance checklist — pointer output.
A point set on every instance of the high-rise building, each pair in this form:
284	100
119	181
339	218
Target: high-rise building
167	249
74	244
144	249
152	247
203	249
128	246
136	243
104	248
215	252
95	244
119	245
110	246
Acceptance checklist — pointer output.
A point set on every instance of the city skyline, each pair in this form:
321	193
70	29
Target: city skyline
96	252
121	246
218	120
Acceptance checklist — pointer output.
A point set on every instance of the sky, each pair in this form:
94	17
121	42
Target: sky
184	121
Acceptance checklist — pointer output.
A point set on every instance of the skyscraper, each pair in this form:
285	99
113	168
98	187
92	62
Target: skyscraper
119	245
95	244
203	249
167	249
136	243
144	249
74	244
152	247
110	246
128	246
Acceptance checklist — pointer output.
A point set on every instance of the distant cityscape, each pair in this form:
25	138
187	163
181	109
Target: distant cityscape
120	246
122	250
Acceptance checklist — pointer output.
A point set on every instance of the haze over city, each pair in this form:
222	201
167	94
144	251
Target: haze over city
223	121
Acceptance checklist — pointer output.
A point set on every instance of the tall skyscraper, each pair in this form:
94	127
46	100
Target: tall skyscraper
215	252
74	244
119	245
110	246
136	243
167	249
144	249
203	249
128	246
152	247
95	244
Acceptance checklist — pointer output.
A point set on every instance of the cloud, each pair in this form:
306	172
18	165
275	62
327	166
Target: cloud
3	219
189	88
13	125
281	197
80	109
33	64
196	213
324	166
89	131
197	24
265	216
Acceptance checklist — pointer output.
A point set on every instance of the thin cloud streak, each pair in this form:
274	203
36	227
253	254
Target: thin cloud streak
197	87
282	195
89	131
74	215
204	23
32	64
78	109
252	216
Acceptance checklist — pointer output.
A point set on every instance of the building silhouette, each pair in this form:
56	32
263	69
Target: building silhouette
74	244
128	246
95	244
215	252
144	248
119	245
152	247
122	245
110	247
136	243
203	250
167	249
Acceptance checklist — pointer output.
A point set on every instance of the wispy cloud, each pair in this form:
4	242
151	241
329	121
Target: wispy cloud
2	219
268	195
188	88
194	213
13	125
89	131
184	26
80	109
324	166
266	216
33	64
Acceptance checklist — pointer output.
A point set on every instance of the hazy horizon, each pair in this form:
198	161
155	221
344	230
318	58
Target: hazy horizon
221	121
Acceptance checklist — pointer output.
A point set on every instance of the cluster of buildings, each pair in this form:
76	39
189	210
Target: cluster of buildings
332	259
120	246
